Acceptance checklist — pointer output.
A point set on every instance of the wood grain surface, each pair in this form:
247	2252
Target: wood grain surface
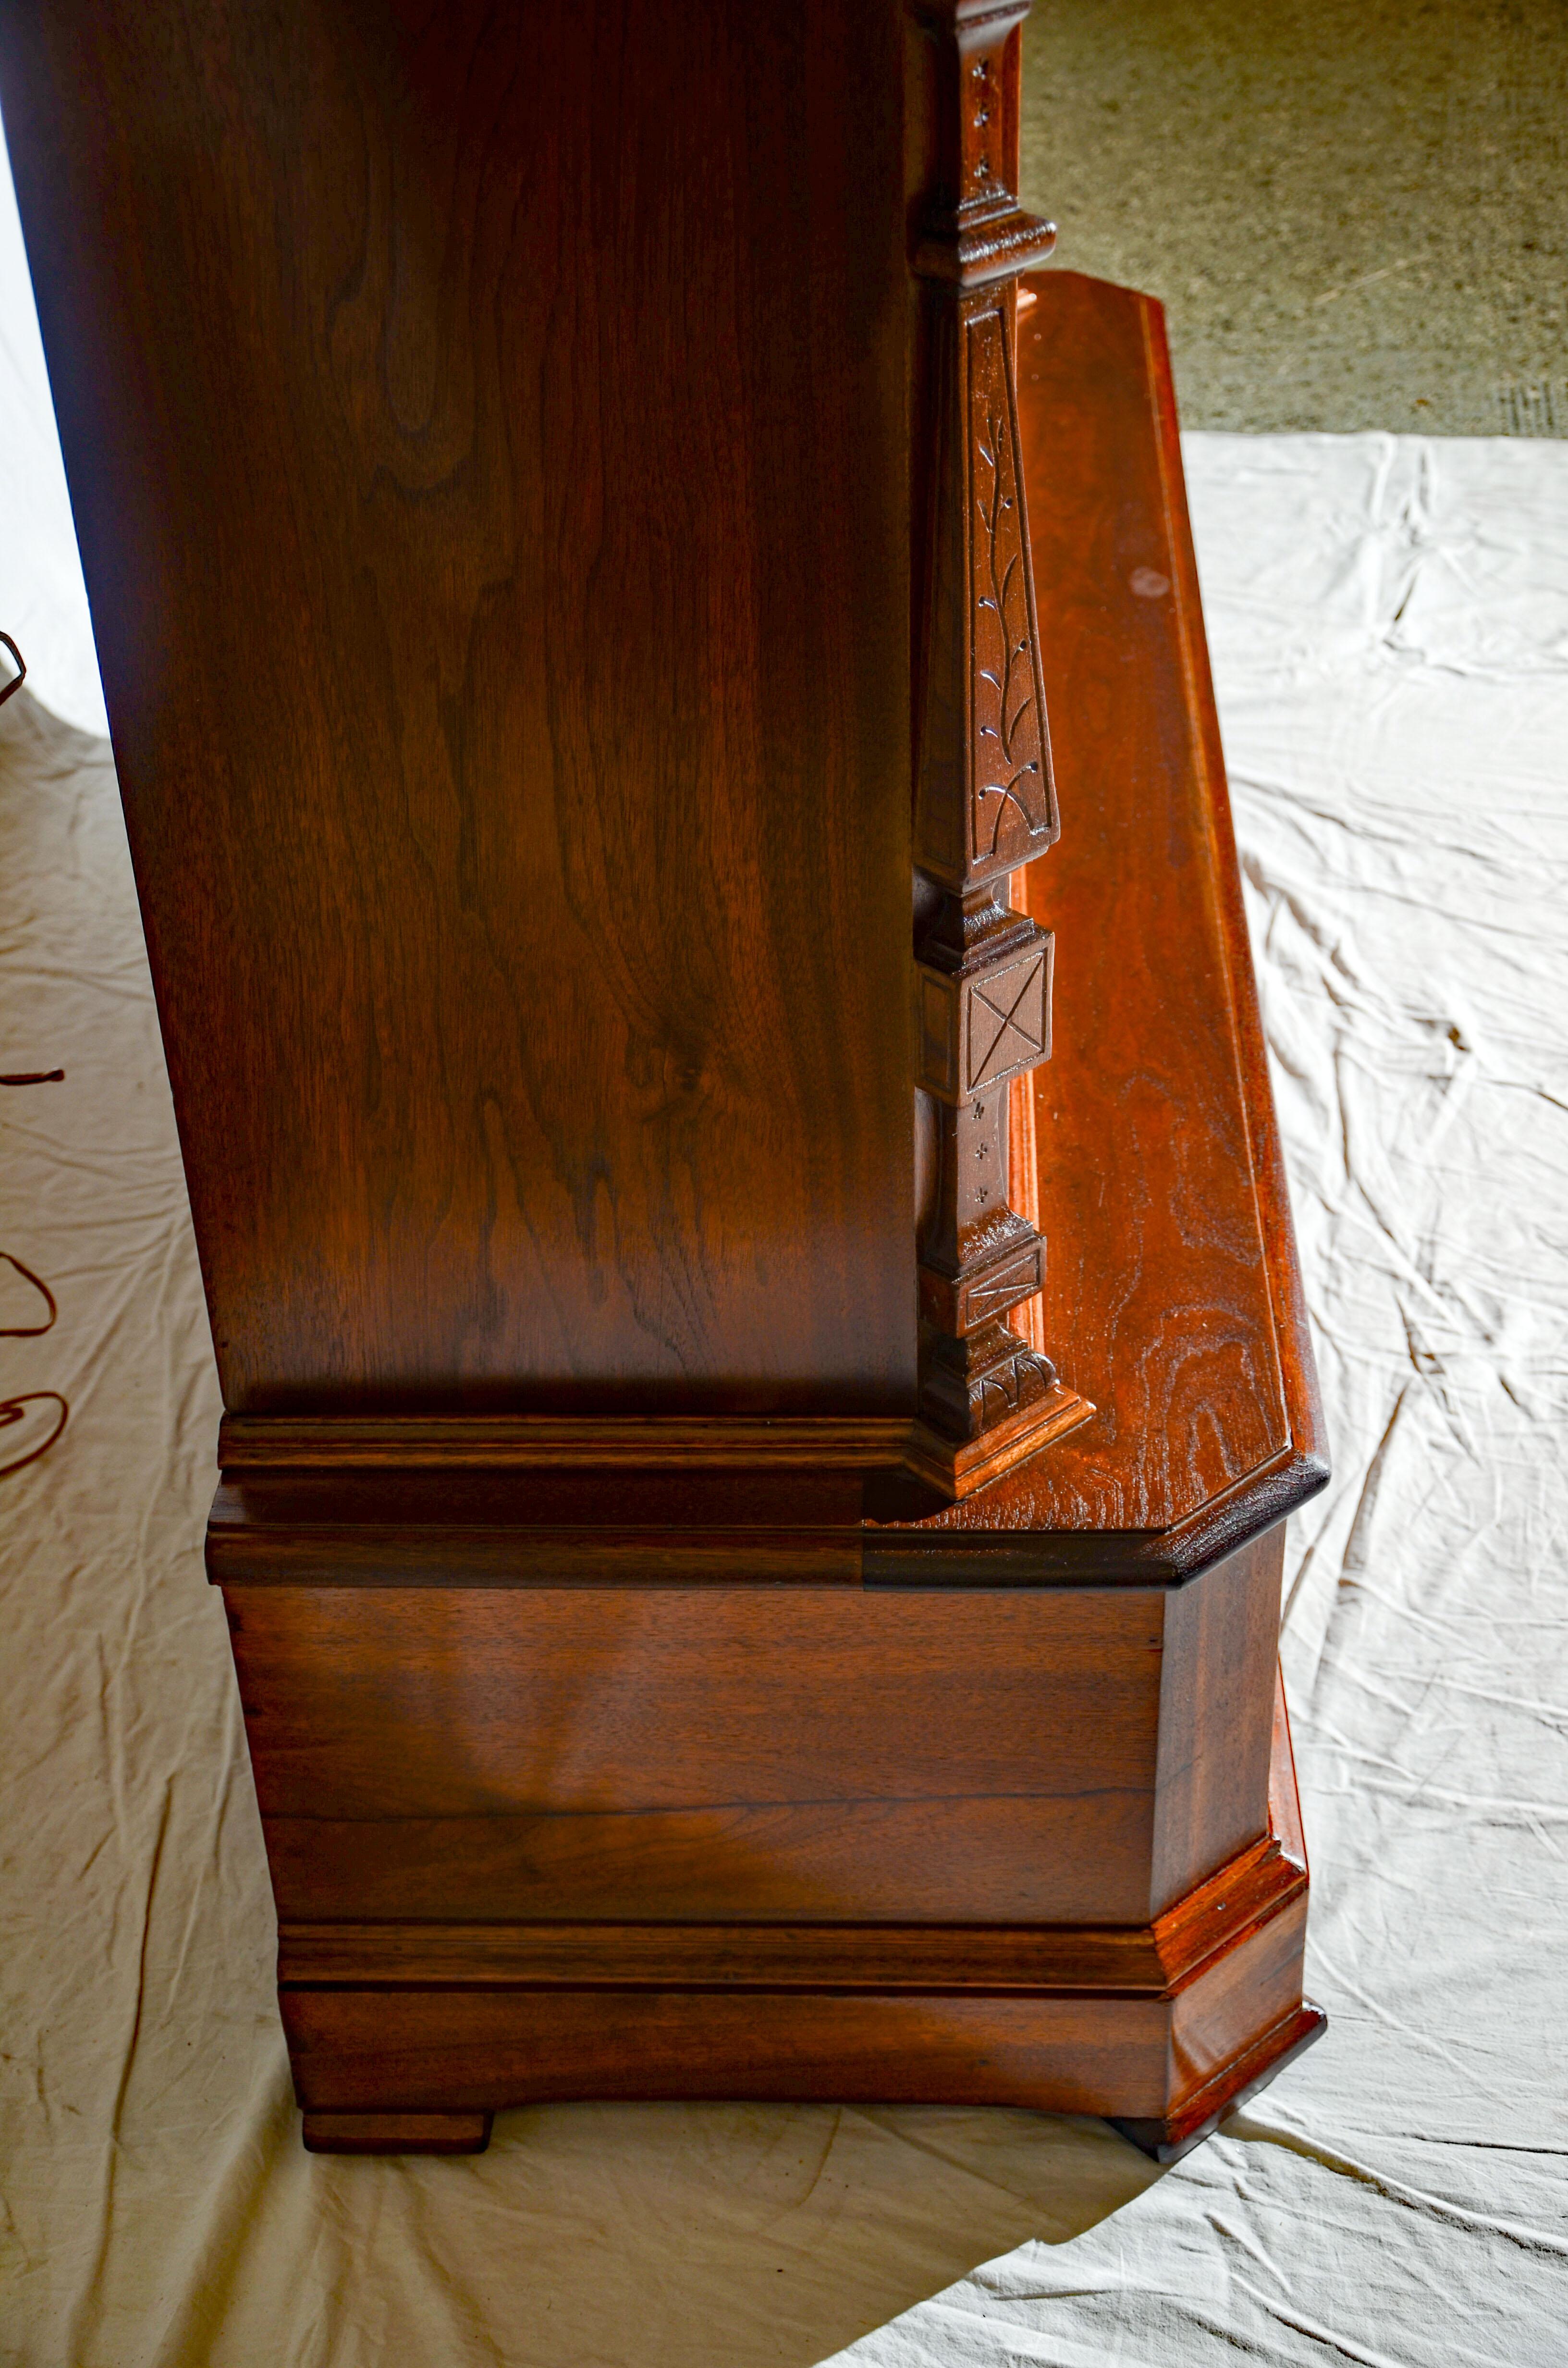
1054	2054
488	439
491	433
1155	1959
704	1754
1172	1298
1217	1739
363	2049
1163	2027
1173	1293
519	774
744	1752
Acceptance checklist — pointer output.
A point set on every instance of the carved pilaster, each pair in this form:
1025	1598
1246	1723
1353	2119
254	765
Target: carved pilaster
984	799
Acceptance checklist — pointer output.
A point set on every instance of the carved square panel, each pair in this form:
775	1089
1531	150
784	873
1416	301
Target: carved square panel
1006	1019
981	1029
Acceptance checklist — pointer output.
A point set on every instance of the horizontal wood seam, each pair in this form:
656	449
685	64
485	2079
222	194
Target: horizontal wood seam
1152	1961
529	1442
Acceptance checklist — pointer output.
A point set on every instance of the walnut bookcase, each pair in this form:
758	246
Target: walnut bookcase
752	1498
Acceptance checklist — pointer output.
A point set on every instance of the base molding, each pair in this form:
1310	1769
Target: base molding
959	1468
1167	2139
400	2070
260	1453
405	2037
552	1444
1155	1959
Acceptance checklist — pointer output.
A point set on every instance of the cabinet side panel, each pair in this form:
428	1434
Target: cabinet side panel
488	436
707	1754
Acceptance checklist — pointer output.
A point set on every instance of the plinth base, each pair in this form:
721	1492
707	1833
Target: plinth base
1167	2140
959	1468
406	2036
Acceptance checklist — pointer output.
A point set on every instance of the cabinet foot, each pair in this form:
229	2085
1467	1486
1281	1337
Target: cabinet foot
397	2132
1166	2141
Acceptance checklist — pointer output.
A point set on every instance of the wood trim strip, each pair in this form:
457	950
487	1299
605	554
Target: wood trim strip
246	1545
540	1443
1152	1961
935	1557
432	1555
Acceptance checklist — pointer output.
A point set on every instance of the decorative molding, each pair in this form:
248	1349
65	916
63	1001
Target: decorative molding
545	1443
1012	810
985	798
1152	1960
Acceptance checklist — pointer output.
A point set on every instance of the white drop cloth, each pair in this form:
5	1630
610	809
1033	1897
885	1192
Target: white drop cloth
44	604
1390	620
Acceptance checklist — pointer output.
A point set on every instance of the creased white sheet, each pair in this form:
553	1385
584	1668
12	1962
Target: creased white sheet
1389	621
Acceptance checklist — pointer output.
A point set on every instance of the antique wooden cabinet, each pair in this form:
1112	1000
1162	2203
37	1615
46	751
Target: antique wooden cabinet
588	511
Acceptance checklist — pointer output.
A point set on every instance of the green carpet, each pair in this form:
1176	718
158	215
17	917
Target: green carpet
1355	212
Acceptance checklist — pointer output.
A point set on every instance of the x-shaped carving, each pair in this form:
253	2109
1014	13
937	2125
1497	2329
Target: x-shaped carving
1014	1036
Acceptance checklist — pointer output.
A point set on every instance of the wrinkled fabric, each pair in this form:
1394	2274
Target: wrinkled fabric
1390	625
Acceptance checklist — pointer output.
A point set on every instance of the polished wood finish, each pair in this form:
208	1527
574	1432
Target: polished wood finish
1123	1834
552	1207
1163	2026
715	1612
489	439
647	1751
647	1842
984	797
1172	1297
1056	2054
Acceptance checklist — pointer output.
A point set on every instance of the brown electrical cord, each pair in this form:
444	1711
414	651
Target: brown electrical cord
13	1410
29	1331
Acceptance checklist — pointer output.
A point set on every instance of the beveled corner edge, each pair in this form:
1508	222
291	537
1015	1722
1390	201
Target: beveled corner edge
900	1557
